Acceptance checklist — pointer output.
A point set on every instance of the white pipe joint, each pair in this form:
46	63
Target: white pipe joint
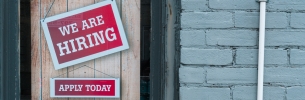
262	0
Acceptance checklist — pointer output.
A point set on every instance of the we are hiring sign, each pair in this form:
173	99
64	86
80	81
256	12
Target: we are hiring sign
84	34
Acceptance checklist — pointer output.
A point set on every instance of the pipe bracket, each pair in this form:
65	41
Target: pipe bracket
262	0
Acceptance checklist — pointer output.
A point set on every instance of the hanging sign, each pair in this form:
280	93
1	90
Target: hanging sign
85	87
84	34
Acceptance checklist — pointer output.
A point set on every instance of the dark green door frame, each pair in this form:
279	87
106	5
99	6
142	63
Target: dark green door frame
9	50
157	50
161	69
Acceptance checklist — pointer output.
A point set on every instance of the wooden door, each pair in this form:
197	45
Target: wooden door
124	65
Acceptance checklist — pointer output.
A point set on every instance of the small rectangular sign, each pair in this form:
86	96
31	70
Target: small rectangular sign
84	34
85	87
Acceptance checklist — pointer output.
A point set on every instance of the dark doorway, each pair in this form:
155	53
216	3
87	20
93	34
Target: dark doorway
145	49
25	50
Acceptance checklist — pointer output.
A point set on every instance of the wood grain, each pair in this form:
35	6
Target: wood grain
35	50
130	71
82	72
48	70
108	66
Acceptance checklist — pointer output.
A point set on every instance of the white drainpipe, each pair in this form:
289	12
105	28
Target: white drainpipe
262	21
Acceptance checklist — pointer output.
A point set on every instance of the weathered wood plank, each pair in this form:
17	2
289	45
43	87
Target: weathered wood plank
48	71
118	2
83	72
130	71
35	55
110	65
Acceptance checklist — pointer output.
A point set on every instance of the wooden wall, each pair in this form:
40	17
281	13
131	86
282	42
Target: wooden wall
125	64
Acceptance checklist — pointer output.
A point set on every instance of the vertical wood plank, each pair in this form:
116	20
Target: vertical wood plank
110	64
130	71
48	70
118	2
35	55
82	72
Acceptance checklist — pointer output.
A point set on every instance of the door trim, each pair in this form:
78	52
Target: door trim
9	50
157	50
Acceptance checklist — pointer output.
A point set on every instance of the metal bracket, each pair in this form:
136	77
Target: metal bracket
262	0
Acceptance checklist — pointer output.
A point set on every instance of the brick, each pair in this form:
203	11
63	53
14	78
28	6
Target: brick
251	20
207	20
297	56
297	20
286	5
232	37
192	38
249	93
286	76
274	93
284	38
191	75
231	75
206	56
272	56
233	4
194	5
295	93
204	93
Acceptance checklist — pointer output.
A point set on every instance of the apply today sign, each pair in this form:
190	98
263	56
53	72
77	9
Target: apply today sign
85	87
84	34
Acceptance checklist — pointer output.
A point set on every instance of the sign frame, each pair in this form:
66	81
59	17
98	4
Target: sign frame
117	88
119	24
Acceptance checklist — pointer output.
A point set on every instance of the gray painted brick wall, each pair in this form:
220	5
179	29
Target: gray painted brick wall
297	56
233	4
297	20
219	42
251	19
207	20
197	37
295	93
285	37
286	5
285	76
194	5
231	38
231	75
273	75
204	93
272	56
249	93
197	75
206	56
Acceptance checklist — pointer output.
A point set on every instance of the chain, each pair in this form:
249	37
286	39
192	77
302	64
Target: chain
81	67
48	11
